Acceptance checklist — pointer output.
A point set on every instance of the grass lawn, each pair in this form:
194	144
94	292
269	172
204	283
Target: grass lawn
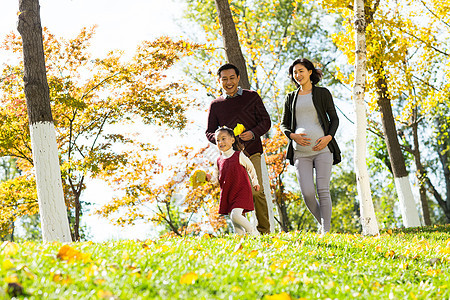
399	264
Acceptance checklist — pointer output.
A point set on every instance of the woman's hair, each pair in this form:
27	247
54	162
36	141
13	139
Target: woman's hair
316	74
230	132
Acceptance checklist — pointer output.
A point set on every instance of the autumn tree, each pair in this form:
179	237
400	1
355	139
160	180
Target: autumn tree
177	202
8	173
425	94
386	53
92	99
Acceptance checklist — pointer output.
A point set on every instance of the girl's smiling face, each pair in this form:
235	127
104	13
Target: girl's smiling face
224	140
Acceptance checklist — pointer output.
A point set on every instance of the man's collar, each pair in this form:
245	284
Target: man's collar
238	93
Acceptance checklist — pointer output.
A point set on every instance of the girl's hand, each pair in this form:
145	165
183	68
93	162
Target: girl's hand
301	139
322	142
208	177
257	187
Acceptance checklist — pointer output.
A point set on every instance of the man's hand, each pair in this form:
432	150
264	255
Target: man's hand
247	136
257	187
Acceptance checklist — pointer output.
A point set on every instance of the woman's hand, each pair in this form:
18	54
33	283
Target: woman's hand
257	187
301	139
322	142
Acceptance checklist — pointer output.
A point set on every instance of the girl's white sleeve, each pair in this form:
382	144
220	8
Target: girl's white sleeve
246	162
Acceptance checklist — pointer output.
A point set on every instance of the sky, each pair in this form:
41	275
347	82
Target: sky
120	26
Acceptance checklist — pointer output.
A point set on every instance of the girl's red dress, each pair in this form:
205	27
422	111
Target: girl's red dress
236	191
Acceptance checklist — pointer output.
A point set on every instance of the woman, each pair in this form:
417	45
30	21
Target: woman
310	123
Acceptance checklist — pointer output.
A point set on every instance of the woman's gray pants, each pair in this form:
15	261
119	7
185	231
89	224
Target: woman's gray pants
322	162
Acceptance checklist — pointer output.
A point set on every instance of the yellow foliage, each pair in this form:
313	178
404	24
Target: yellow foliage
198	178
238	129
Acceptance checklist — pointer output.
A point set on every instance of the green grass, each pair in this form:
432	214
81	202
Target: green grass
403	264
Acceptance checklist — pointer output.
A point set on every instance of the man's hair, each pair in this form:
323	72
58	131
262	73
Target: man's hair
228	67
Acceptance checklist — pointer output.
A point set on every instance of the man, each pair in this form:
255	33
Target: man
245	107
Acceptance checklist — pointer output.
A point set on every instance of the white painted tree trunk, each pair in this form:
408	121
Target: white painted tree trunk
52	209
368	219
408	208
54	222
267	192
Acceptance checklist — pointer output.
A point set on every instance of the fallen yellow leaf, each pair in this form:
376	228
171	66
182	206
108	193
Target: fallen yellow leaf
125	255
61	278
390	253
70	254
12	279
433	272
189	278
288	279
235	289
7	264
104	294
253	253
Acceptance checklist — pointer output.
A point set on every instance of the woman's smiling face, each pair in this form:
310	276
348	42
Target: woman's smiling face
301	74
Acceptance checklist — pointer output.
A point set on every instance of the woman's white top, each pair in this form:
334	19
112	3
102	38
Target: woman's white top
307	122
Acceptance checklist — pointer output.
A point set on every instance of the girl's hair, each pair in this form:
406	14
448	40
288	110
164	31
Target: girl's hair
316	74
230	132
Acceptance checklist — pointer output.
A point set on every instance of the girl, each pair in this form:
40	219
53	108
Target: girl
310	123
233	169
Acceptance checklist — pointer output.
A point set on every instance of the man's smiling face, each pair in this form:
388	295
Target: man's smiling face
229	81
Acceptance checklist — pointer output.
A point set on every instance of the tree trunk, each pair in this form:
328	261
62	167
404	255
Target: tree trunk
408	208
444	159
52	208
76	226
368	219
282	210
231	42
421	173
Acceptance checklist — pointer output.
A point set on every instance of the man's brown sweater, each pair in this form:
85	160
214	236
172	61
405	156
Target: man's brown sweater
246	109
